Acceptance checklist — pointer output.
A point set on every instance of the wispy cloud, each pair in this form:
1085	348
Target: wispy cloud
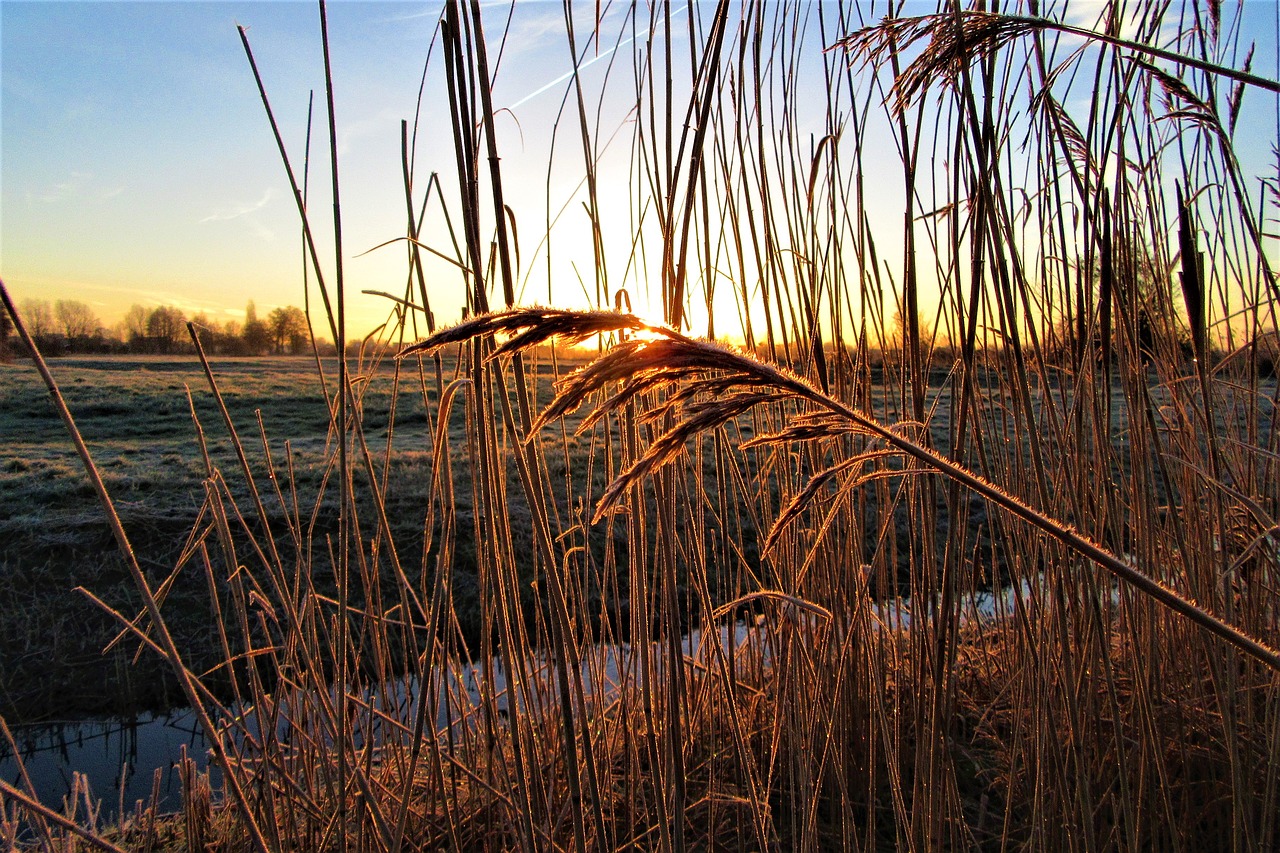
64	189
246	213
241	210
432	12
532	31
1093	15
184	303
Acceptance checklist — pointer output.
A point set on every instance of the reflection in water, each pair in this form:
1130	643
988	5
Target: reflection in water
120	759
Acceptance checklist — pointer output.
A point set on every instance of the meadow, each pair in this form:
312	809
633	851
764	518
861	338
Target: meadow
144	420
137	417
1087	419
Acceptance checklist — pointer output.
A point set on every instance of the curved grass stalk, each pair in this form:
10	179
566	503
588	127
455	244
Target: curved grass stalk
673	358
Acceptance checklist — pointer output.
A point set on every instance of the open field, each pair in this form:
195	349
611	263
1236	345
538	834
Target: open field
136	414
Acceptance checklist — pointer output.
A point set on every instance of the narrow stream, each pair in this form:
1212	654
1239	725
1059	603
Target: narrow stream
126	763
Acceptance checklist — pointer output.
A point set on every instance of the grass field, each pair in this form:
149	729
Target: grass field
136	414
137	419
1098	433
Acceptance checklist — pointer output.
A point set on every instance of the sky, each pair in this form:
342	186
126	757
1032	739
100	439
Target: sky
138	166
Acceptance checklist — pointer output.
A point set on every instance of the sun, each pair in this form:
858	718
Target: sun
643	310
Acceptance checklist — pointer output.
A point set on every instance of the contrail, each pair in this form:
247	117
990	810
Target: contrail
568	75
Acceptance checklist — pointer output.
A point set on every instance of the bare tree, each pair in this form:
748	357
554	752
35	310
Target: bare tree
288	327
38	317
257	335
134	324
75	319
165	328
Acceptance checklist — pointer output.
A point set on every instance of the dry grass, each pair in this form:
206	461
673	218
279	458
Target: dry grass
1100	440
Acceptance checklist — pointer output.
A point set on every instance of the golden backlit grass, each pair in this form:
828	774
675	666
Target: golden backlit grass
1097	438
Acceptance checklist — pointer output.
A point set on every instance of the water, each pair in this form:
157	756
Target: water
119	759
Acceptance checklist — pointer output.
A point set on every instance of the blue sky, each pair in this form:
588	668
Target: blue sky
138	166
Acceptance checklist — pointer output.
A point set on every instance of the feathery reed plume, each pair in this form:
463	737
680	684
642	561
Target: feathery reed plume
848	471
955	43
958	40
655	364
539	325
1084	167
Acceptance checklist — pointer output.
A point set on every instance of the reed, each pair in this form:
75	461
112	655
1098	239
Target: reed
728	597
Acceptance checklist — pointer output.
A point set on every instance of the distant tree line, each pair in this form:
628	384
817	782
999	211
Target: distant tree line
67	326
